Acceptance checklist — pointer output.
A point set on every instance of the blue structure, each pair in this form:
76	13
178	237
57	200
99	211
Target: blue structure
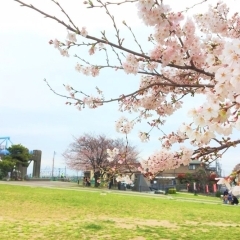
3	148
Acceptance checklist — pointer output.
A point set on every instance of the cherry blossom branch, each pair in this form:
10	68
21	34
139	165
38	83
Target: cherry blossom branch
120	41
180	63
185	67
91	5
217	157
117	55
70	97
134	37
188	8
201	152
125	162
172	83
220	142
188	55
69	19
107	58
119	98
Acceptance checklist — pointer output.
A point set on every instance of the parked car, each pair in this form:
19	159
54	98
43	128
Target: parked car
222	189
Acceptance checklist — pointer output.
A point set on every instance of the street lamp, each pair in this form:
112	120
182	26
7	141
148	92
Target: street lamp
54	153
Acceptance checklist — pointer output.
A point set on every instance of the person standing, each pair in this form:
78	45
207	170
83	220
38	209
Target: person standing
225	196
84	181
110	183
234	200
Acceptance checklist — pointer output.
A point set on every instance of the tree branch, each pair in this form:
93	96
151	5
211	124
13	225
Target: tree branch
186	67
201	152
91	5
123	96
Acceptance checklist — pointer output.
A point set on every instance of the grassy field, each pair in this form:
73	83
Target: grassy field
45	213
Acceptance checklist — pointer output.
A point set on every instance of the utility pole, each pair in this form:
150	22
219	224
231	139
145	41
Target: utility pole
53	163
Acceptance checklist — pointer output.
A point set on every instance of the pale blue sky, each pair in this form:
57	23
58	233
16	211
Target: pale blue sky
31	114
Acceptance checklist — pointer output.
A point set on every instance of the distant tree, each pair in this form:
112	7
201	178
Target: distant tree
18	157
20	154
201	176
190	177
90	152
6	165
212	177
181	177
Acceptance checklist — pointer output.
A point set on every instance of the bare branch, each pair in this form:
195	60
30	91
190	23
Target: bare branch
113	21
134	37
193	6
111	3
70	20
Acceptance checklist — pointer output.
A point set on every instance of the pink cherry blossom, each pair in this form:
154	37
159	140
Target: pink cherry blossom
185	55
71	37
84	32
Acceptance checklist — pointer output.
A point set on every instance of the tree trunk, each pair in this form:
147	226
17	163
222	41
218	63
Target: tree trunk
97	178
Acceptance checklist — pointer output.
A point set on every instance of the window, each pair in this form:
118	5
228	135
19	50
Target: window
192	167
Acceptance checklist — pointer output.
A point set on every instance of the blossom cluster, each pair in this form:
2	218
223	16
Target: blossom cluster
92	102
71	38
131	65
112	154
144	136
220	113
123	125
88	70
166	159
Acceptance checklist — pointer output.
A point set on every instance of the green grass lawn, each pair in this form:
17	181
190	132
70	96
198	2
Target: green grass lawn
45	213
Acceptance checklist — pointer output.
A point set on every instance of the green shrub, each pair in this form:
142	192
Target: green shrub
218	194
172	190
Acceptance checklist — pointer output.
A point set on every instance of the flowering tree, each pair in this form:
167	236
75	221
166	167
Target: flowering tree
234	176
185	55
90	152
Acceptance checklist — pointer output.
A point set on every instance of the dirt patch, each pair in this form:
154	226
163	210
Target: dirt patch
156	223
125	225
216	224
133	223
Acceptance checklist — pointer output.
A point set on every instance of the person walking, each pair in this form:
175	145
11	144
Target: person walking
110	183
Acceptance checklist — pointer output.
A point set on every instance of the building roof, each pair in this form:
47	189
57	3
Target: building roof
195	162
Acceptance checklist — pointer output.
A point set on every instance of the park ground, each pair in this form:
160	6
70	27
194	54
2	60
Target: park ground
62	210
